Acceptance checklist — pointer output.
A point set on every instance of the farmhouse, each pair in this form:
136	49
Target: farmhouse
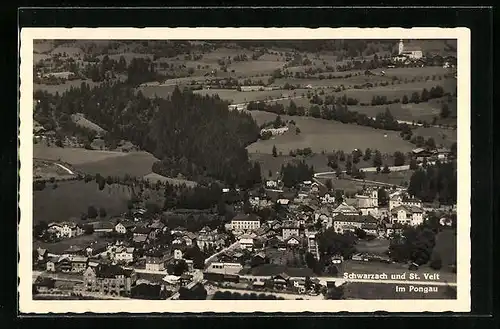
274	131
410	52
124	226
420	154
155	261
246	242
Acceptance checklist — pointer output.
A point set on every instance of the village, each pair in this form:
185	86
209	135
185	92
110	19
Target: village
141	257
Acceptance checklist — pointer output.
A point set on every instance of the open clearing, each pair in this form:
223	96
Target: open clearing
376	246
61	246
71	199
154	177
322	135
52	89
74	156
441	136
135	164
236	97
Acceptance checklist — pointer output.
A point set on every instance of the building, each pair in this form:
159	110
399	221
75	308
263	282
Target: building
293	241
271	184
78	263
246	242
369	198
123	227
421	154
312	244
326	198
155	262
345	209
141	234
65	229
407	215
124	254
224	268
109	280
290	229
342	223
245	222
410	52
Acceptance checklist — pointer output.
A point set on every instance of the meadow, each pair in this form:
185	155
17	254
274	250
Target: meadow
71	199
154	177
322	135
442	136
52	89
73	156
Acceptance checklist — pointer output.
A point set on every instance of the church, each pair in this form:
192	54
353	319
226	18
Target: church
408	52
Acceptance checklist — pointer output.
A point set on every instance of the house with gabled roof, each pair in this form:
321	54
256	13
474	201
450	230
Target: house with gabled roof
345	209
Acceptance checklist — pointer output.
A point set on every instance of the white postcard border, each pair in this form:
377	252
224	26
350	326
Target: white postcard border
28	305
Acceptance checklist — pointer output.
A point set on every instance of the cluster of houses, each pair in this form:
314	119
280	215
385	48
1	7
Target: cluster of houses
442	154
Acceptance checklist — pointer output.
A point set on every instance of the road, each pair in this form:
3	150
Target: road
209	259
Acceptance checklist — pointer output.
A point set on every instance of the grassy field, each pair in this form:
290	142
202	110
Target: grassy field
376	246
441	136
59	247
52	89
71	199
269	163
74	156
394	177
236	97
137	164
322	135
154	177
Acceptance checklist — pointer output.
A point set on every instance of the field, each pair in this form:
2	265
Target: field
236	97
269	163
441	136
394	177
153	177
135	164
285	257
322	135
61	246
74	156
376	246
52	89
45	170
72	198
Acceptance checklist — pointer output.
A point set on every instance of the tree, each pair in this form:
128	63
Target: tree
348	167
92	212
386	169
89	229
270	173
415	98
180	267
368	154
430	143
378	169
338	172
275	152
399	159
445	111
377	159
405	99
39	229
413	164
329	184
102	212
339	196
383	197
360	233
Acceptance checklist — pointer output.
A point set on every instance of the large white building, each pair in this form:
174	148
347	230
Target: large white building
407	215
244	222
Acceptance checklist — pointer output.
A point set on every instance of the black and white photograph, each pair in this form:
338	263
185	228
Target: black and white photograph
316	168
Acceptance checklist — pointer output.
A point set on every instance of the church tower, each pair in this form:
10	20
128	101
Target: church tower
401	47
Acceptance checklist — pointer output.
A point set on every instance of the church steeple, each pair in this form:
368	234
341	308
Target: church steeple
400	47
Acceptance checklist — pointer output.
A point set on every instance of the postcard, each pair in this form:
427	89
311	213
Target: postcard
192	170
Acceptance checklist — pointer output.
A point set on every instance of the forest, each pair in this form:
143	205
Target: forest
435	183
191	135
